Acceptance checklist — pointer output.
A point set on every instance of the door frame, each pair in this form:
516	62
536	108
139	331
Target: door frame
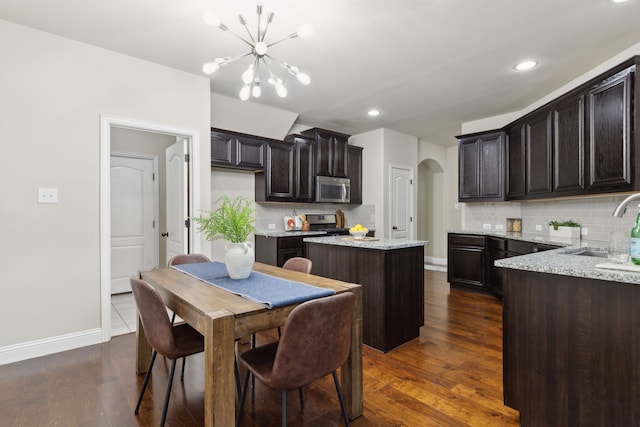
106	122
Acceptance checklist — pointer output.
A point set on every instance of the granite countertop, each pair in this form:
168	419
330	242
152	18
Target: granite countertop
567	262
379	243
293	233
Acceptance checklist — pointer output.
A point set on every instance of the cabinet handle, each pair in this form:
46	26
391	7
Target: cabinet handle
534	249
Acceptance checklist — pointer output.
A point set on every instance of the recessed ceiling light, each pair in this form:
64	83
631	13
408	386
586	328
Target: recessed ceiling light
373	112
618	1
525	65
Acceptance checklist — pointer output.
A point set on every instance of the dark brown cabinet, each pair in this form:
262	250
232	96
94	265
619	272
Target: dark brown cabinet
538	154
466	261
481	166
304	170
277	250
580	143
276	182
331	154
471	258
355	173
609	130
236	150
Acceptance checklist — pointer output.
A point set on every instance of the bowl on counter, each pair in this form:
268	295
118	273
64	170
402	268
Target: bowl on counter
359	234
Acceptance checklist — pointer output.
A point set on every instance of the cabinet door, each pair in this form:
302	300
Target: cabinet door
515	162
250	153
339	167
538	139
304	175
609	132
468	184
495	277
355	173
491	166
279	171
466	260
324	154
223	149
569	146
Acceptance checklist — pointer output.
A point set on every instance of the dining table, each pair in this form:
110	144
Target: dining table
222	317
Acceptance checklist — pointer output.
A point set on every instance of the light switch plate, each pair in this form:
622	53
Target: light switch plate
47	195
538	227
486	226
499	227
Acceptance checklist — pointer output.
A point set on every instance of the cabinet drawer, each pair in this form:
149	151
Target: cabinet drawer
520	248
466	240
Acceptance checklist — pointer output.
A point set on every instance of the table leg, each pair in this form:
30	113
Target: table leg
143	350
351	372
219	380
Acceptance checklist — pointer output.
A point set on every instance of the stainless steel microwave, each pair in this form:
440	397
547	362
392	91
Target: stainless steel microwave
332	190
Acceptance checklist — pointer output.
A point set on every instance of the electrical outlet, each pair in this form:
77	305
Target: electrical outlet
538	227
272	226
584	231
486	226
47	195
499	227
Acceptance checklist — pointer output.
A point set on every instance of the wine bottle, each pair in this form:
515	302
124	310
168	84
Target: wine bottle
634	247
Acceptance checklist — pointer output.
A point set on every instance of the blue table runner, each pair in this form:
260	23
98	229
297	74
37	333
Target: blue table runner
258	287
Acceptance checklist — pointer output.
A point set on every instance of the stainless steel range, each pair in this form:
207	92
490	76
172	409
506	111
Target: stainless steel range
326	222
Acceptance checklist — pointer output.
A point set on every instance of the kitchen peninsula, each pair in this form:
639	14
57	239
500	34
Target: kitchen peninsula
391	272
570	339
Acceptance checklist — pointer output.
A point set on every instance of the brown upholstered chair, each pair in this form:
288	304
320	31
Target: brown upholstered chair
179	260
315	341
300	264
170	341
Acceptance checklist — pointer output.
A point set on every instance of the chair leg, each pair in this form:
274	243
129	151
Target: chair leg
339	391
146	380
184	362
284	408
165	406
237	373
253	378
301	399
242	399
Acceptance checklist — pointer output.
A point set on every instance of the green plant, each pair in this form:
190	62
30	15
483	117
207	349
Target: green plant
569	223
233	220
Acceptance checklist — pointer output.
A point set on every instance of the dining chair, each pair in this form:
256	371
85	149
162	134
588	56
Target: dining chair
315	341
300	264
179	260
172	342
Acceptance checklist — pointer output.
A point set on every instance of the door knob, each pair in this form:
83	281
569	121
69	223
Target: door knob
394	227
165	234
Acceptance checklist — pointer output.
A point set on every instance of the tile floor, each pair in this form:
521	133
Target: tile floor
124	314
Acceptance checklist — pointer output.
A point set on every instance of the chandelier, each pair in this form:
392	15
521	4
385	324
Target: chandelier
259	55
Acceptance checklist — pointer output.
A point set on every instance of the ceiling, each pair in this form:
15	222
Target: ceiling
428	65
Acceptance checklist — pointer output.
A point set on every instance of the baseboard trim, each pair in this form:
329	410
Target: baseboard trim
43	347
434	260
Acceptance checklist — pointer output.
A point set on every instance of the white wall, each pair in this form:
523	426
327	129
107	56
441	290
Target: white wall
54	91
373	183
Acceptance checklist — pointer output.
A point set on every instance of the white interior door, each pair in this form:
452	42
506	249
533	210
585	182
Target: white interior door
401	203
176	237
133	213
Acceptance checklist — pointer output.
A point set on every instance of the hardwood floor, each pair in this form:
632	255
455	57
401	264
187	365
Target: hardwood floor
450	376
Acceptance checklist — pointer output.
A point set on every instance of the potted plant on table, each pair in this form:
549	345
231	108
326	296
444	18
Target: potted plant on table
234	221
566	229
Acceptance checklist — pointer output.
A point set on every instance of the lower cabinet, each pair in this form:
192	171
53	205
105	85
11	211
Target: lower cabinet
277	250
471	260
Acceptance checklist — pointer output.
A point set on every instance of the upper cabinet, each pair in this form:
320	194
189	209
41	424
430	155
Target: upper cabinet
581	143
355	173
236	150
481	167
276	182
331	155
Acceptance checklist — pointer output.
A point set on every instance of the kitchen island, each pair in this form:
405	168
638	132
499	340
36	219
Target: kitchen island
571	339
391	272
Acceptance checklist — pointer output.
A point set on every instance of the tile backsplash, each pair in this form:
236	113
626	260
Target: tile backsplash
273	213
594	214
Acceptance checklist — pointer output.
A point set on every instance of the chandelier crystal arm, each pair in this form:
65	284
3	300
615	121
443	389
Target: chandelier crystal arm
244	24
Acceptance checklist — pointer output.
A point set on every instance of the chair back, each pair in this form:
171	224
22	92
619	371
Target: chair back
187	259
300	264
315	341
154	317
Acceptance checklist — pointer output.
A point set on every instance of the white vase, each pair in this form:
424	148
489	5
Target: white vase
238	258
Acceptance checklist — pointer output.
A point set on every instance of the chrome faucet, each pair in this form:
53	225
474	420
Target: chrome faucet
622	207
